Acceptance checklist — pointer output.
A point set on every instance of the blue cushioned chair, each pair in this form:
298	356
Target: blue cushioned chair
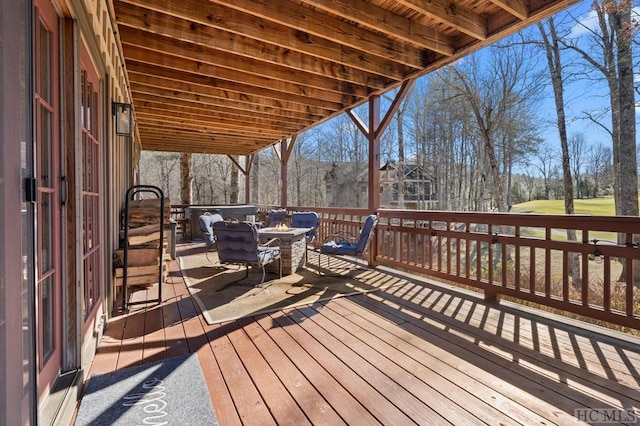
276	217
306	220
349	245
237	244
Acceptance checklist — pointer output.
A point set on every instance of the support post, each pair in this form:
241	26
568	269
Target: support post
374	169
374	153
286	147
284	159
491	294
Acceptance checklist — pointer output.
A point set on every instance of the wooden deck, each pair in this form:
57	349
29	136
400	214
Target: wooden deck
417	354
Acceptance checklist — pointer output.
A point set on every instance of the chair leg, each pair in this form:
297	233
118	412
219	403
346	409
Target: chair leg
263	275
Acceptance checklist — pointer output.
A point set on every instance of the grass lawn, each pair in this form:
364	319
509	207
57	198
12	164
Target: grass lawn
594	206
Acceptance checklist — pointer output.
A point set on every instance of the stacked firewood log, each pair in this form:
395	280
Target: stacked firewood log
144	249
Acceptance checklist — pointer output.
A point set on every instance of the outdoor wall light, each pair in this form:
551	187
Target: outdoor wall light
124	118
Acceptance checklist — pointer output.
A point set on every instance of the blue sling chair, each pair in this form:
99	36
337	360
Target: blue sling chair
237	244
306	220
344	244
276	217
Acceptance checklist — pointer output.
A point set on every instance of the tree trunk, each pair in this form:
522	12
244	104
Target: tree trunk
557	79
186	178
628	169
234	184
255	180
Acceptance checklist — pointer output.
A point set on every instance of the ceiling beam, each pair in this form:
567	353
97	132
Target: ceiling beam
135	37
517	8
259	84
212	96
451	14
211	128
239	23
299	18
214	120
376	18
149	101
198	83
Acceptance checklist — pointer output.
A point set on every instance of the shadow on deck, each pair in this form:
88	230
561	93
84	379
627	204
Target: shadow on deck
420	353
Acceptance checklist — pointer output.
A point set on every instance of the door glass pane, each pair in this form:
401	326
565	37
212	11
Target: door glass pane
82	106
89	107
47	317
88	285
88	157
84	161
45	64
46	227
46	180
91	156
96	217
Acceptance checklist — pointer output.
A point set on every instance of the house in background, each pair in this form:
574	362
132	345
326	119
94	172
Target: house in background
418	187
347	184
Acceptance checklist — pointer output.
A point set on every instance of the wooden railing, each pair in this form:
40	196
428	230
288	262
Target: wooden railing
524	256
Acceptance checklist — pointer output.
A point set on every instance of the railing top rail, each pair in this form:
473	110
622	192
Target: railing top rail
625	224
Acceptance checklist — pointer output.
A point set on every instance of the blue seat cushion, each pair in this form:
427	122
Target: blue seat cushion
333	247
268	254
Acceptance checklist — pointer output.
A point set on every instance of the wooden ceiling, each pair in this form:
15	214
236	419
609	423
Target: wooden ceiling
234	76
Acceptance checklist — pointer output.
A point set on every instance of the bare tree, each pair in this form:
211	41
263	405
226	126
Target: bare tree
399	124
529	180
546	158
499	94
554	62
578	153
611	56
599	167
255	179
161	170
234	185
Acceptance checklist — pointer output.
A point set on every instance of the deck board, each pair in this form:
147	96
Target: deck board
488	404
448	395
349	408
282	407
420	353
300	389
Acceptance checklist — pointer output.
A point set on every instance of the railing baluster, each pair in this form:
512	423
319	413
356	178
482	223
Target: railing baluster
459	235
607	284
547	265
565	276
517	258
532	272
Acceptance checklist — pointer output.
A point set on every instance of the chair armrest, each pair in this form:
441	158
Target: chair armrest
342	237
270	242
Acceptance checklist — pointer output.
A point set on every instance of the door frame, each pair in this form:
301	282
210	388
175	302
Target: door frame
48	367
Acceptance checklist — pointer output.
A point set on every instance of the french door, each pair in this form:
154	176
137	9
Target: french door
91	191
47	138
